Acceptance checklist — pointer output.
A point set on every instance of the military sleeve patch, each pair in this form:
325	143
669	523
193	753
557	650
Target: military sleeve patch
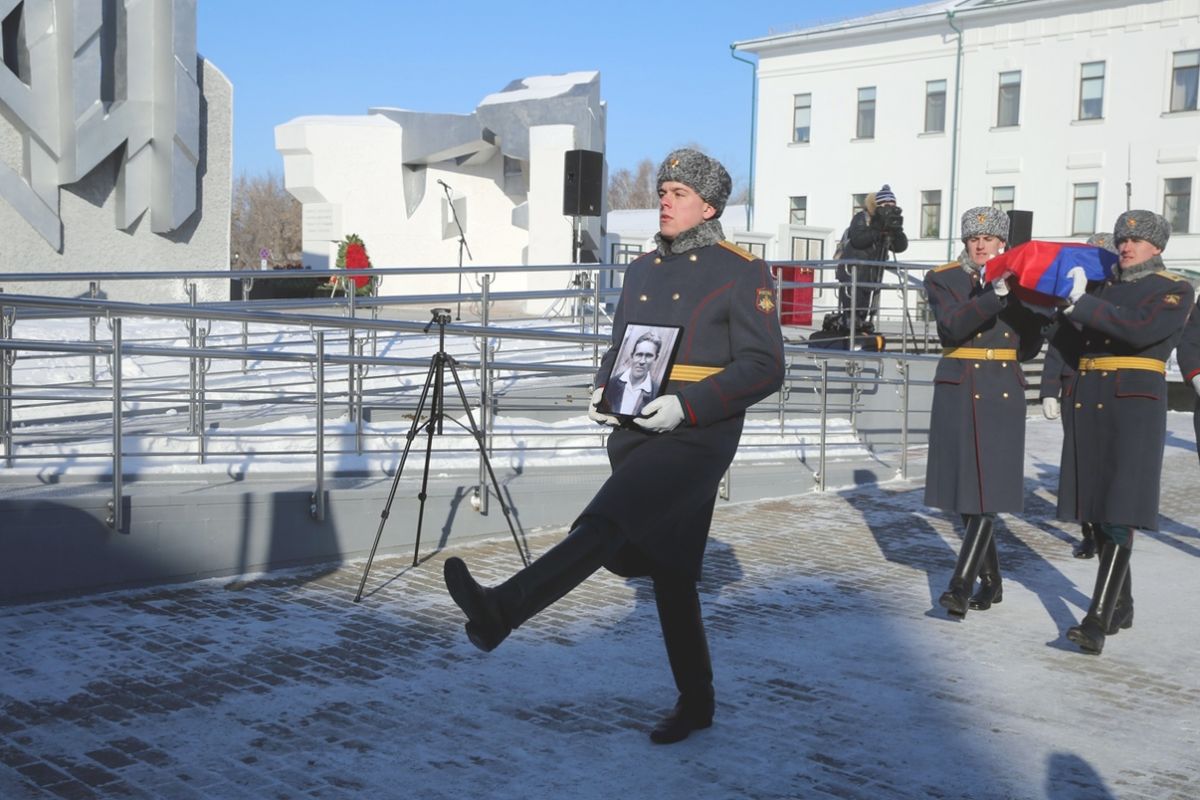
765	302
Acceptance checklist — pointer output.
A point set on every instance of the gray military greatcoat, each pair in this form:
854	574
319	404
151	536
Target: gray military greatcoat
977	425
1116	426
664	485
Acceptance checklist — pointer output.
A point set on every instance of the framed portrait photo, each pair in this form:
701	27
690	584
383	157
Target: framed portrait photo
639	372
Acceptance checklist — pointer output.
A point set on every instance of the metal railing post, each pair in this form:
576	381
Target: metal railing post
904	315
116	509
595	302
351	375
852	371
824	423
485	398
357	414
784	392
317	507
202	365
7	358
193	366
374	333
93	293
904	372
247	287
852	323
351	340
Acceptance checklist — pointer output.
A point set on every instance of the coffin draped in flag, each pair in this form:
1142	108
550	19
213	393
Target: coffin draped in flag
1041	268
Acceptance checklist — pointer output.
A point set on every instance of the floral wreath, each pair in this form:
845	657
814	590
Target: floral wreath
352	254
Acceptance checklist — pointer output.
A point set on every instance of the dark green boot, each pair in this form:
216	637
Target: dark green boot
990	588
1087	545
493	613
1114	564
687	651
957	598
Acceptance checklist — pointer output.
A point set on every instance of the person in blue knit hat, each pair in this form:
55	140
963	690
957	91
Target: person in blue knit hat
875	232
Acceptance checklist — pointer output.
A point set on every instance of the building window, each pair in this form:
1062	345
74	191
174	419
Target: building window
931	214
804	249
625	253
1004	197
799	211
1083	213
1008	107
858	200
1091	90
1184	79
866	113
801	117
935	106
1177	203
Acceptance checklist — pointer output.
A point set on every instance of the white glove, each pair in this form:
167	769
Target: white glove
594	413
1000	284
1078	284
1196	383
660	415
1050	407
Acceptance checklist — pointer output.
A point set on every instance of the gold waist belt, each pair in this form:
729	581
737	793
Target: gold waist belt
690	373
1122	362
981	353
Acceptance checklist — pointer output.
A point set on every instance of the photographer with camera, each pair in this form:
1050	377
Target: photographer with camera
875	231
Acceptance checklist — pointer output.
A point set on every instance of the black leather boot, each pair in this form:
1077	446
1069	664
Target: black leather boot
1123	616
492	613
990	588
975	542
1087	545
687	650
1114	564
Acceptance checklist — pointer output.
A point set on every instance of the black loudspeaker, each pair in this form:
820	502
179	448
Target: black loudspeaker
1020	227
583	183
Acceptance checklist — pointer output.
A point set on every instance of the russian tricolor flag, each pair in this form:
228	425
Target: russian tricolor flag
1041	268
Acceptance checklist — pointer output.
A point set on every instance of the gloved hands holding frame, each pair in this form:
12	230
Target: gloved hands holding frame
661	415
594	412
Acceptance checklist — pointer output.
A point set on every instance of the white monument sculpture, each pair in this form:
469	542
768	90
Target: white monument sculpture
390	176
115	145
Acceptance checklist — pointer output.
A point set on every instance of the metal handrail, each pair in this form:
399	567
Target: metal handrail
200	355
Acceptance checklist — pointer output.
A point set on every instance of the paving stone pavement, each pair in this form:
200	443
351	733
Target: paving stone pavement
837	675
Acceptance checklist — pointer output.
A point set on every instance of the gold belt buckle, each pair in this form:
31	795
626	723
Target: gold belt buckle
990	354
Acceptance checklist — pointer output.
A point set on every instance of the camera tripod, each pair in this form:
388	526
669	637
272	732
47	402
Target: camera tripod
433	390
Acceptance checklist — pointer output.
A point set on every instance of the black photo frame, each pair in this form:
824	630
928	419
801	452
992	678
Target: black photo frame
615	400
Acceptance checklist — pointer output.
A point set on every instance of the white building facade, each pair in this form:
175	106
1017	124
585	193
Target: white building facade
390	176
1072	109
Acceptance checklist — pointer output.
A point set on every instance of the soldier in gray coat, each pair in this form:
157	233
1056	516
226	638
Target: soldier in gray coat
1120	337
977	426
651	517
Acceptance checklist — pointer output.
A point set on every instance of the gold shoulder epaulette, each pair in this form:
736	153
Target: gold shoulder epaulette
1172	276
733	248
945	267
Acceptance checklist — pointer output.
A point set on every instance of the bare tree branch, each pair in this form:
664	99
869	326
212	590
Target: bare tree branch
264	215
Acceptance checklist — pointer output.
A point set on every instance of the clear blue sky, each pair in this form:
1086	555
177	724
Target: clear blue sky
665	68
